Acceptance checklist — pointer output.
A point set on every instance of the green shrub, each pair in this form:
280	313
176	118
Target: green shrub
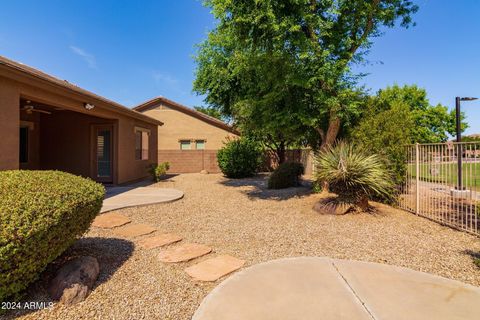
41	214
159	170
286	175
353	174
239	158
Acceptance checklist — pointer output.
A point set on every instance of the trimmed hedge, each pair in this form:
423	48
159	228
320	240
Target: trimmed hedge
239	158
286	175
41	214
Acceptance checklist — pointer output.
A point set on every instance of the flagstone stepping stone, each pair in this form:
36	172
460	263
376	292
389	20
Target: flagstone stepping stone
134	230
110	220
215	268
184	252
159	241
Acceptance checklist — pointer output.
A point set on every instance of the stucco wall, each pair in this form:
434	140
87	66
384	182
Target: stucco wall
129	168
68	154
179	126
65	140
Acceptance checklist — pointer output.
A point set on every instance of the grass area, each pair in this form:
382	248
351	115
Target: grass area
447	173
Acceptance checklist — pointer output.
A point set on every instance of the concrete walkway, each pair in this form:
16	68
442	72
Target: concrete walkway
322	288
124	197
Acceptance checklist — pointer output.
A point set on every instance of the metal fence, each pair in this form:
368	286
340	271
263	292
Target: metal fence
443	183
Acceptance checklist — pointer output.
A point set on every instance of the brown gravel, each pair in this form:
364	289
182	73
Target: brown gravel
242	219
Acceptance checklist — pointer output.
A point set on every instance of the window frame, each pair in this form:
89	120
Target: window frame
142	153
181	141
203	141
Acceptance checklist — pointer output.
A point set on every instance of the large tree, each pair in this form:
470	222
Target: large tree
397	116
286	64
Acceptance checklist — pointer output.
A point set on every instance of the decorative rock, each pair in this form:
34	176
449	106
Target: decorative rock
159	241
110	220
134	230
74	280
215	268
204	171
185	252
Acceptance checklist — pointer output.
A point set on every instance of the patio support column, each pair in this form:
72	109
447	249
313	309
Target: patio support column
9	130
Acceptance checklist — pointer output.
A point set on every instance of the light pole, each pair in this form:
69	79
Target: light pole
459	139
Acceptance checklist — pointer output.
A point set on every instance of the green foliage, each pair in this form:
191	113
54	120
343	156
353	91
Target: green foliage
41	214
282	68
353	173
212	112
239	158
159	170
398	116
317	187
286	175
472	138
431	123
386	133
476	261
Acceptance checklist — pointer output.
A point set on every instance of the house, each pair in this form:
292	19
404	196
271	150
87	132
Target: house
48	123
189	139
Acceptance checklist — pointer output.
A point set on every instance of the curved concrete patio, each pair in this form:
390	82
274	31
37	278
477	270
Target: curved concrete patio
324	288
125	197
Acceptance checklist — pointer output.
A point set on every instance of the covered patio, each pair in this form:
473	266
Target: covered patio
51	124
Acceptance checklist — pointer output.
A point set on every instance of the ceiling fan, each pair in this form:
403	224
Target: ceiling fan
29	108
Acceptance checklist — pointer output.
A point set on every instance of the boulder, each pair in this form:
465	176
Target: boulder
74	280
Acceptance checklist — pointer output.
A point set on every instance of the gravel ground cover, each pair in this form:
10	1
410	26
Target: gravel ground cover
243	219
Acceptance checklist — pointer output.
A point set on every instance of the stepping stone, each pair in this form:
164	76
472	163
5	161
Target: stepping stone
215	268
134	230
110	220
159	241
185	252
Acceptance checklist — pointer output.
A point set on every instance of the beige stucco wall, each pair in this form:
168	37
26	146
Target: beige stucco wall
180	126
14	86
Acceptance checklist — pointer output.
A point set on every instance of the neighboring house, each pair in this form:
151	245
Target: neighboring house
48	123
190	139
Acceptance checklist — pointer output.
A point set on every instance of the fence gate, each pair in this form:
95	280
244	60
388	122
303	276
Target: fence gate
443	183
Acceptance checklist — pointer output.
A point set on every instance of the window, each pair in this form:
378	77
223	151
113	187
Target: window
200	144
185	145
141	144
23	144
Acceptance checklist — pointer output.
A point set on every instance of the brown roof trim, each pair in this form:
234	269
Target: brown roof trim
190	111
114	106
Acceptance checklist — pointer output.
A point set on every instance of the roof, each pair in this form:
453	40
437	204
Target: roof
190	111
112	105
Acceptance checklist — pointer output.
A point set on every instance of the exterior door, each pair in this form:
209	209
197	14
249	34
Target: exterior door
103	153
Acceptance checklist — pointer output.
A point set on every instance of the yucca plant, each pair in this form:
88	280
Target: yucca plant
354	174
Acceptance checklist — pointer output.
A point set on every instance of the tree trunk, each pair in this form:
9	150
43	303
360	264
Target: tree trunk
332	132
281	152
329	138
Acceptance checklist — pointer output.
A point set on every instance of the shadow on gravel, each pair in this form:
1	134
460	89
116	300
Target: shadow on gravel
111	254
258	188
475	256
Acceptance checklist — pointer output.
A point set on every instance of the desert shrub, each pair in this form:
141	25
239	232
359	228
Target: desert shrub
286	175
159	170
239	158
41	214
353	174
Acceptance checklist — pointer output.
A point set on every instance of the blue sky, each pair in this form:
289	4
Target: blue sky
131	51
